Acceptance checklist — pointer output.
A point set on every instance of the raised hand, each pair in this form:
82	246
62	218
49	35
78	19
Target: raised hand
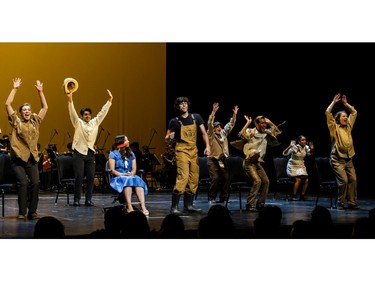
17	83
337	97
248	118
215	107
39	86
344	99
110	95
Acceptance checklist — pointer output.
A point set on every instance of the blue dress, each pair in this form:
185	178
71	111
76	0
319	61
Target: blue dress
119	182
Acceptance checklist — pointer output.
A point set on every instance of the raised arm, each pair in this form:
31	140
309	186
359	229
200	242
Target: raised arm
286	150
8	104
336	98
274	129
98	119
235	110
211	119
72	112
243	131
39	86
110	97
347	105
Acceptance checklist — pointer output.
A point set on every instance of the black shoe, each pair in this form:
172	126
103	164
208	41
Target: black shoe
175	211
294	197
76	203
353	207
259	206
32	216
251	209
341	206
89	204
302	198
212	202
192	210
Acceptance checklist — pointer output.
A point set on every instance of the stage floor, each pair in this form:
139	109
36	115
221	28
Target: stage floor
82	220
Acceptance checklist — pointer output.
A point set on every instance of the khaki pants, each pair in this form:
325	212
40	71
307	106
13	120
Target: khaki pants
346	179
187	169
260	181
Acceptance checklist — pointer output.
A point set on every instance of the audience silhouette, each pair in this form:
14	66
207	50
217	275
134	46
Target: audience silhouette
114	220
172	226
49	227
136	226
267	225
218	223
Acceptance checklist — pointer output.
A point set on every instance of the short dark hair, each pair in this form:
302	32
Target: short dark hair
180	100
85	109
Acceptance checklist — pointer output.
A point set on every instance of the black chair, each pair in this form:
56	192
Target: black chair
204	176
108	176
283	181
8	180
237	177
119	197
326	180
65	174
100	161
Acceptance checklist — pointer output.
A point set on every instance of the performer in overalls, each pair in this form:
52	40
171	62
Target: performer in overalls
183	130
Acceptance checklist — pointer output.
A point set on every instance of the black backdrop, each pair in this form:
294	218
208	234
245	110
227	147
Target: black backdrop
292	82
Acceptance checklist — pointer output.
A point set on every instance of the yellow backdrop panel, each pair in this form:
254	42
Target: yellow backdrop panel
135	73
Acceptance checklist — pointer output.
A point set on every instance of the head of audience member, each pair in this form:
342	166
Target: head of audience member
49	227
172	226
136	226
363	229
321	222
267	225
218	223
300	229
114	219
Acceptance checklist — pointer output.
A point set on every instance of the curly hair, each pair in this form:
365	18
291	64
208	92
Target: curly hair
178	101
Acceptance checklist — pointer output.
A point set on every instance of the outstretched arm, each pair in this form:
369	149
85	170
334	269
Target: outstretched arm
43	102
8	104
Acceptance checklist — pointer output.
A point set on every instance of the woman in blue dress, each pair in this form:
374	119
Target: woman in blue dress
122	163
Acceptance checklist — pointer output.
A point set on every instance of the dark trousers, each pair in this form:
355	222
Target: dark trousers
28	190
219	180
84	165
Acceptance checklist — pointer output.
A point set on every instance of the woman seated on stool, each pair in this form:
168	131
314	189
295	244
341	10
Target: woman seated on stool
122	163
